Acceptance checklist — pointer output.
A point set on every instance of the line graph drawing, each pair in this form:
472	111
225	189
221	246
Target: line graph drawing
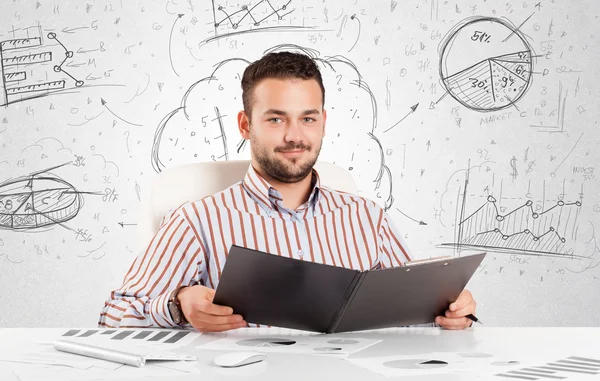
484	69
529	229
231	19
18	82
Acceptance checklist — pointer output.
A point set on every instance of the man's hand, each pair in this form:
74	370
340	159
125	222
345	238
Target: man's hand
199	310
455	315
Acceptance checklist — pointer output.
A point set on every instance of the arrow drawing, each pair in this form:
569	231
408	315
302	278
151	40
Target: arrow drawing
72	30
353	17
412	110
124	224
80	50
410	218
170	42
109	110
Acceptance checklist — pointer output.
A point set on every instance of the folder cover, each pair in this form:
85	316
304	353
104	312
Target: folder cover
285	292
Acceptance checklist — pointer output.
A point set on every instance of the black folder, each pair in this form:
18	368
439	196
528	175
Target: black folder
284	292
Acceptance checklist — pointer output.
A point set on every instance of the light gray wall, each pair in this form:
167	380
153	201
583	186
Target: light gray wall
434	169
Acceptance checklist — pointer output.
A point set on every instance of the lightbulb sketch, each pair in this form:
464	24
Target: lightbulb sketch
24	62
38	200
486	64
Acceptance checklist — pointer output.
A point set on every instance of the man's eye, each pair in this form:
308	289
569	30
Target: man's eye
309	120
275	120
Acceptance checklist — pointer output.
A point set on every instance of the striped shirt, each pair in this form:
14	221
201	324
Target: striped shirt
191	246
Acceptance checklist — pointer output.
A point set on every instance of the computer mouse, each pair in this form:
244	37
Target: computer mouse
235	359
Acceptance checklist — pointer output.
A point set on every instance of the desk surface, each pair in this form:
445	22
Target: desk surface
540	345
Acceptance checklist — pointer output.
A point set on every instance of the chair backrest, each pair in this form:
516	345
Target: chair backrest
191	182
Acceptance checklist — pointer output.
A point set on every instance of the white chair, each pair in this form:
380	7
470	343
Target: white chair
191	182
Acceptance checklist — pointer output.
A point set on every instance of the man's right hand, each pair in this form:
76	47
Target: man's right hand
199	310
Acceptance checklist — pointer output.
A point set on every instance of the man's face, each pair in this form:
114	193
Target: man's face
287	127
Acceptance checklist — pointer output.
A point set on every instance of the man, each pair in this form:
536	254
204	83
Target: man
280	208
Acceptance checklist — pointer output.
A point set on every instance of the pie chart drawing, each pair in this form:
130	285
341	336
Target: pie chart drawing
37	201
486	64
266	342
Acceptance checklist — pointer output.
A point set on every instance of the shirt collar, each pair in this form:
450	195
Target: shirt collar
269	198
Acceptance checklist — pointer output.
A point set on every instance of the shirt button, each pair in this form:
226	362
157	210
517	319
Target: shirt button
300	252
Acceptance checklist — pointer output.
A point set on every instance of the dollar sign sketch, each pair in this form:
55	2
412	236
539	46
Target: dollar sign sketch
531	165
513	165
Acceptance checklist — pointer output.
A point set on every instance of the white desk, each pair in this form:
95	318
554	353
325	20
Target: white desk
549	344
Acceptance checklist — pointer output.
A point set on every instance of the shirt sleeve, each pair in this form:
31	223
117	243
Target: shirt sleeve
173	258
393	250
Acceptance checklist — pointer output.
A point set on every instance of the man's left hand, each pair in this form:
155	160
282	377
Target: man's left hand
455	315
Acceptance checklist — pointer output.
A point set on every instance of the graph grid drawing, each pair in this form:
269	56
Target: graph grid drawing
486	64
25	63
37	200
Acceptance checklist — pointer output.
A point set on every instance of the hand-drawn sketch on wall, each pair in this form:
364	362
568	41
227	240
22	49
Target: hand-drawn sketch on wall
486	64
258	16
533	228
20	81
38	200
201	131
557	115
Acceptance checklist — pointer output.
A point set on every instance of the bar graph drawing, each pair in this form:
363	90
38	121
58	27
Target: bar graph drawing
24	67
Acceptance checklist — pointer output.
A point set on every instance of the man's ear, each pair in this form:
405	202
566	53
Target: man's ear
244	124
324	121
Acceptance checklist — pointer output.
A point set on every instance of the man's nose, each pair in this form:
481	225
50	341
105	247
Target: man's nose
294	132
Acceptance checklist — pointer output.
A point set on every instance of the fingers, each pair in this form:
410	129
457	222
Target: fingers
453	323
214	323
468	309
218	320
214	309
207	327
462	301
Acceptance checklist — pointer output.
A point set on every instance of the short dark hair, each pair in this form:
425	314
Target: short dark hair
280	65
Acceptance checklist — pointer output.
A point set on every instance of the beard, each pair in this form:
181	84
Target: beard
285	171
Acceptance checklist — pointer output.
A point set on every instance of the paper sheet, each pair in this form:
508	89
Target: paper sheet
38	360
287	341
46	373
437	363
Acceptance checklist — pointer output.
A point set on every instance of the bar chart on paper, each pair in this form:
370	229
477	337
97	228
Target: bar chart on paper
563	369
139	337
